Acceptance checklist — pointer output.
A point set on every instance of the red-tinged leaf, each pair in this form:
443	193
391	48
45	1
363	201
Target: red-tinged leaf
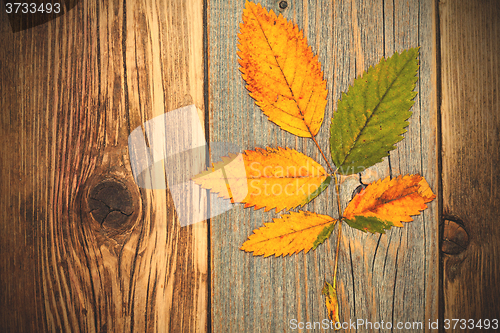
388	202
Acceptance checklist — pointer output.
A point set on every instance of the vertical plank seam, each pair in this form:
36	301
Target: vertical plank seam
439	158
424	219
384	55
206	102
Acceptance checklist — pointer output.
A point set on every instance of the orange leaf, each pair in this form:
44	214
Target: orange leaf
290	234
279	178
391	201
282	74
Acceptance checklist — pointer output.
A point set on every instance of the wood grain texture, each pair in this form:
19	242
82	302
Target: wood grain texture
71	92
393	277
470	57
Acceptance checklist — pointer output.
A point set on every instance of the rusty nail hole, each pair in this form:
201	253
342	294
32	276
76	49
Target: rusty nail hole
110	203
283	4
455	237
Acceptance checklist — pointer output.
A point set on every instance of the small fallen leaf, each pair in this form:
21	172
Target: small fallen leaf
279	178
388	202
282	74
331	303
290	234
371	117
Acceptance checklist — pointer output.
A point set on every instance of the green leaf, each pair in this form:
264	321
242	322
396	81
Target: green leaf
371	224
371	117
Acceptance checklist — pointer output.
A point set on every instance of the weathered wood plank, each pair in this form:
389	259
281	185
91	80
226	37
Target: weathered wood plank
71	92
470	57
392	277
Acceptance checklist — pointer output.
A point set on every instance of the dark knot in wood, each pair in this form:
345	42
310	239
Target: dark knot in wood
110	203
455	237
283	4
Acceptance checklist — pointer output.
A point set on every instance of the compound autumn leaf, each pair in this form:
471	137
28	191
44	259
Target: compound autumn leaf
388	202
285	79
282	74
290	234
279	178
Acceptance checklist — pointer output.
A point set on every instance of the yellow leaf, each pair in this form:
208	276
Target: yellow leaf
391	200
282	74
331	303
279	178
289	234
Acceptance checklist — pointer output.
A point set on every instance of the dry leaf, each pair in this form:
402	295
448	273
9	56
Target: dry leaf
331	303
282	74
290	234
388	202
279	178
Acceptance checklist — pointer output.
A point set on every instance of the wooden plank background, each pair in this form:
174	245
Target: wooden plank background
470	44
73	89
393	277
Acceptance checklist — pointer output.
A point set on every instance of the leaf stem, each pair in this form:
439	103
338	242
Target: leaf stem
337	254
337	190
339	209
323	154
339	234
